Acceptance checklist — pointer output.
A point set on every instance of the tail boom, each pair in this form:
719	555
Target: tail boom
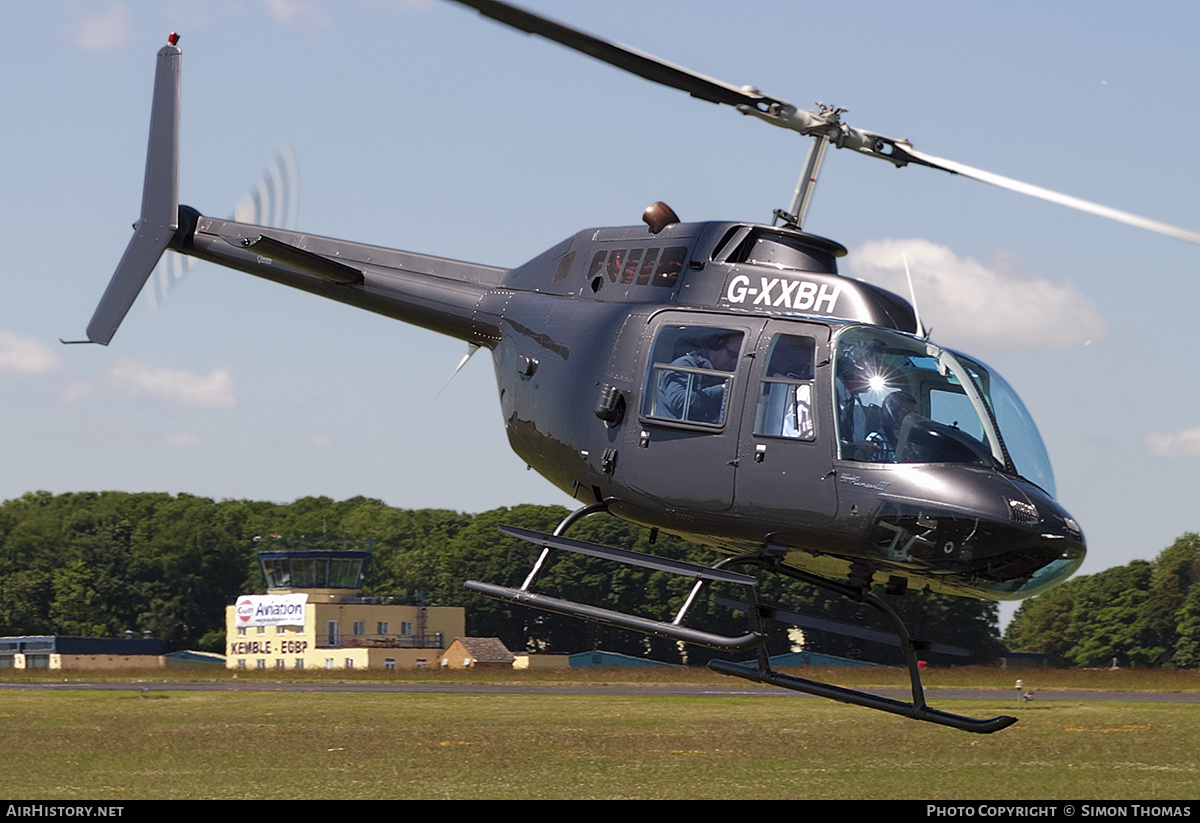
443	295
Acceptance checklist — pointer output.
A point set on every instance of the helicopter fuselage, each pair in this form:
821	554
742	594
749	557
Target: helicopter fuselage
606	351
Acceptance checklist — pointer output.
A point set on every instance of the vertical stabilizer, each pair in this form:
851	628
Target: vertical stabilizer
160	201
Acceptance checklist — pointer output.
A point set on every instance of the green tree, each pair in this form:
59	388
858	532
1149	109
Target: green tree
1187	646
1043	624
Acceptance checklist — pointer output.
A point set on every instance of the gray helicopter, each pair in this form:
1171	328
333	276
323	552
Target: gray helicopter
718	381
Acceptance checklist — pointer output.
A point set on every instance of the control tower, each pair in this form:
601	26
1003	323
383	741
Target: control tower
314	615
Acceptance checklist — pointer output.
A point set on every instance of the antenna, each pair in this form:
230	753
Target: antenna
913	294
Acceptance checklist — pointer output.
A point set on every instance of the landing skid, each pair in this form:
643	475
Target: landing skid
913	710
754	639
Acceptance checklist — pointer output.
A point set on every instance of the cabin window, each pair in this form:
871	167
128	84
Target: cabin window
647	270
597	265
781	250
632	264
670	265
786	392
643	267
616	262
691	373
564	267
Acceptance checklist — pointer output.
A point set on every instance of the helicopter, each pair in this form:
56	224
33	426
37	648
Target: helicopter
787	456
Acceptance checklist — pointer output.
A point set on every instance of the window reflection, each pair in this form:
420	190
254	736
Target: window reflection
785	394
903	400
642	267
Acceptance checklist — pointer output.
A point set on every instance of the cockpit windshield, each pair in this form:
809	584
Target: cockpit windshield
1021	437
901	399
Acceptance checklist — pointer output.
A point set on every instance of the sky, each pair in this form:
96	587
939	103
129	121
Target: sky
420	125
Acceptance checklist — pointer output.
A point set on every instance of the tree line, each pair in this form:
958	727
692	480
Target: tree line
103	563
1145	613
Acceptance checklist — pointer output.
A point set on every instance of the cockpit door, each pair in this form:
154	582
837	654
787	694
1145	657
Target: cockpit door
785	444
689	410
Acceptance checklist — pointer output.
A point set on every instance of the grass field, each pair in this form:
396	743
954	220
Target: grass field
123	745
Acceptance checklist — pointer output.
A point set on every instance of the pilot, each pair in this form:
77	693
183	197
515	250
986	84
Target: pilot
688	396
896	406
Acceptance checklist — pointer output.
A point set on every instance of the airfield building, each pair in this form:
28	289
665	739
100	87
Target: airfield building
80	653
314	615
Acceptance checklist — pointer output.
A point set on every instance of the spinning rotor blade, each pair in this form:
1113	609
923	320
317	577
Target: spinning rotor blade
273	201
746	99
822	124
1055	197
623	57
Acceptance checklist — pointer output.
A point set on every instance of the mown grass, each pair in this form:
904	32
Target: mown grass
123	745
962	677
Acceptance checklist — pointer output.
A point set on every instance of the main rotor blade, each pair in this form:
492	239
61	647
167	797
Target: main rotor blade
1053	196
825	123
623	57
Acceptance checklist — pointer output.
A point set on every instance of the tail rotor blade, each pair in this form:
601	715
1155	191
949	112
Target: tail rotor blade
273	201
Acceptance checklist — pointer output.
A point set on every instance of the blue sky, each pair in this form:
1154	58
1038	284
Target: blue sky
420	125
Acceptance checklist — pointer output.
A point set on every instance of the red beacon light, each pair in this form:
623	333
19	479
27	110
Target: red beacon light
173	38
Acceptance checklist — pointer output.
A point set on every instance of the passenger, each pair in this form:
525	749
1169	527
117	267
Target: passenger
797	420
793	360
615	265
686	395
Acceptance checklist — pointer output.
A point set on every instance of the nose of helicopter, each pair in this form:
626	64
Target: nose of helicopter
982	533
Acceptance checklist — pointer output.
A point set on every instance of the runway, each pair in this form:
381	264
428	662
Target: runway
493	689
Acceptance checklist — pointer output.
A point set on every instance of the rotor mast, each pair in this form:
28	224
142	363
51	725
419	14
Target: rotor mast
807	184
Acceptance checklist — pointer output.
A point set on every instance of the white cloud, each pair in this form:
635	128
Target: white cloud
103	30
183	387
969	304
25	355
296	12
1184	443
76	390
183	440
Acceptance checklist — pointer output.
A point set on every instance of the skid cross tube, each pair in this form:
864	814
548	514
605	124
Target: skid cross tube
673	631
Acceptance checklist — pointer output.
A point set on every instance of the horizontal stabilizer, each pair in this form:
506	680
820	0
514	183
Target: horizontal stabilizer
160	203
303	260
